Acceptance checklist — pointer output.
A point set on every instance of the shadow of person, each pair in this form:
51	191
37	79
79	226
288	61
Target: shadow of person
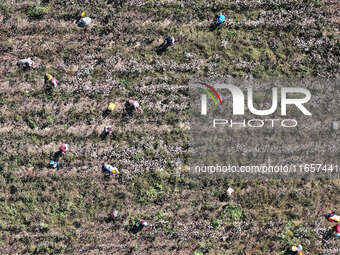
25	67
289	252
214	26
106	113
135	229
106	176
47	87
129	108
57	155
162	48
104	135
128	112
110	218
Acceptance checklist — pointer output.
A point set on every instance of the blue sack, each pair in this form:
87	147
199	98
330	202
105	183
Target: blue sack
220	19
53	164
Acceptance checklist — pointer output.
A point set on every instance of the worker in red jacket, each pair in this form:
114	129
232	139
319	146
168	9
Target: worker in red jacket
333	218
63	148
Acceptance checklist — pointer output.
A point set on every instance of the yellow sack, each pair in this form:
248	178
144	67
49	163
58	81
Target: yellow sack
48	76
82	14
111	106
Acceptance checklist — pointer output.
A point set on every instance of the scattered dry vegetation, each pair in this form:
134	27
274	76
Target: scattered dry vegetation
63	211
